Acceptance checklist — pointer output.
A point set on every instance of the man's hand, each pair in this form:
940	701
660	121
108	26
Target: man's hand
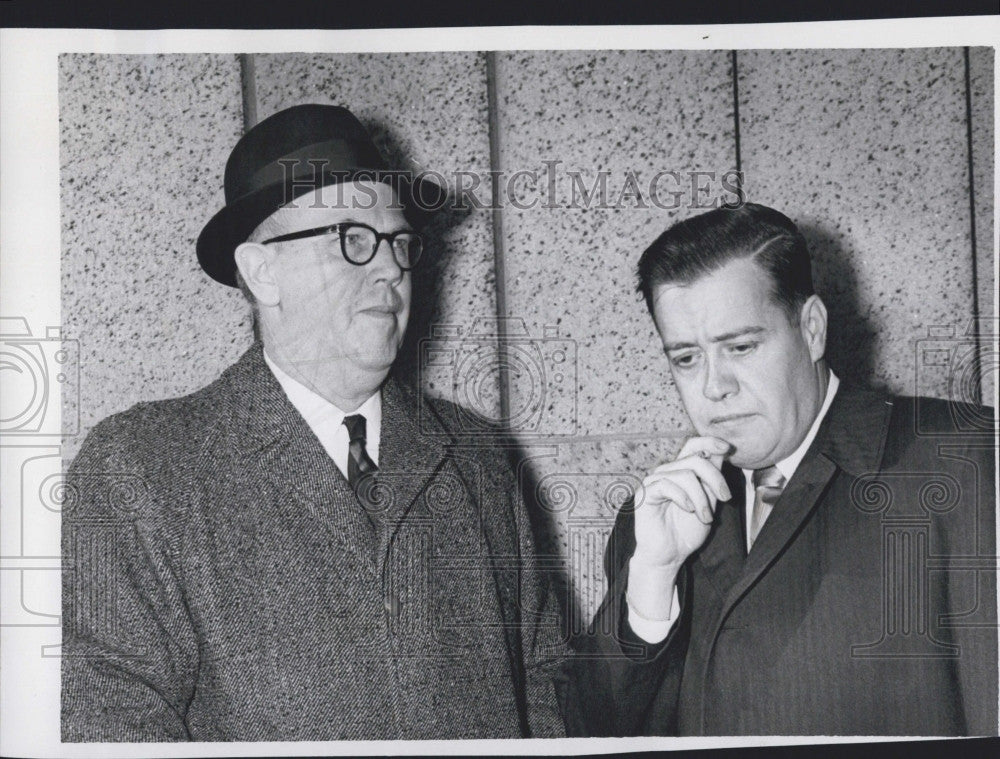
674	510
676	504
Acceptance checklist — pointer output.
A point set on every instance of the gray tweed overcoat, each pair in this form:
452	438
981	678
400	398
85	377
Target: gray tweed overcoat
223	582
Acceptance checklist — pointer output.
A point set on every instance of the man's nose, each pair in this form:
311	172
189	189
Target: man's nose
384	265
719	380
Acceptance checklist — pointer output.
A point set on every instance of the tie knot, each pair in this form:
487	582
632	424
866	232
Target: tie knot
355	427
769	477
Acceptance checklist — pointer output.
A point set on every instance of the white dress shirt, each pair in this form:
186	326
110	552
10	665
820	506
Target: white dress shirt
654	631
327	421
787	466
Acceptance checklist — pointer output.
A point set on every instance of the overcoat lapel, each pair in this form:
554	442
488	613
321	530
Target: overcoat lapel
302	467
411	453
275	439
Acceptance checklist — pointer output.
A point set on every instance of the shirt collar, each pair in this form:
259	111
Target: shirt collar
788	465
318	412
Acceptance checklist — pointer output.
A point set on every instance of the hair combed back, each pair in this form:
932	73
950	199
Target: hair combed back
696	247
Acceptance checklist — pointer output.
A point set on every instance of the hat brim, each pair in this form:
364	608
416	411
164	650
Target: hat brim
230	227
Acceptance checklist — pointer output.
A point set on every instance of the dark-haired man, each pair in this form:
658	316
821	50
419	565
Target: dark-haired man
300	559
791	571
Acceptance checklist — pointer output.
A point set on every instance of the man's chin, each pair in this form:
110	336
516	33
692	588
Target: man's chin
745	459
374	360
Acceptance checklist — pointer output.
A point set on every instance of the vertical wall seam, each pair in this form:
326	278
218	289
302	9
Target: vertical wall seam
248	86
736	119
499	269
977	368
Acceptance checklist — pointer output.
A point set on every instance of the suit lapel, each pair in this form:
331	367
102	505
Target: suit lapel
723	554
850	438
797	501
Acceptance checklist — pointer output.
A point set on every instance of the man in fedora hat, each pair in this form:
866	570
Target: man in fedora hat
299	558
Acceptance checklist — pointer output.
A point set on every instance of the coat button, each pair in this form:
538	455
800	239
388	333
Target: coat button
392	604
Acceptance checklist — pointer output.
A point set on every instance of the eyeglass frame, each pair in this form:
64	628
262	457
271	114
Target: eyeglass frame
389	237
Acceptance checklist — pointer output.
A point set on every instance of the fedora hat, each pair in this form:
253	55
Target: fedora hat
289	154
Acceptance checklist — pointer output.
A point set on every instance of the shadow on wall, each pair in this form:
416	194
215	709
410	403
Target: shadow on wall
852	340
428	282
439	253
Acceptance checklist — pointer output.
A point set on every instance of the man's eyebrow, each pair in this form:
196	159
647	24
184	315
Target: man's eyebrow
742	332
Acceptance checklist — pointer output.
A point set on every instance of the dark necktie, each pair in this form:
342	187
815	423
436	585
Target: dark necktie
359	463
768	484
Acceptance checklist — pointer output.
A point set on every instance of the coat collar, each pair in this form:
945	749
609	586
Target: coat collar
855	429
257	405
269	430
414	445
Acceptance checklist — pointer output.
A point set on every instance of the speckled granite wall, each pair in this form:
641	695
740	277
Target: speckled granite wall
144	140
571	267
427	112
867	151
983	152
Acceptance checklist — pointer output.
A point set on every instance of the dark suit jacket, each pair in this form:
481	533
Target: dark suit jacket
222	581
867	605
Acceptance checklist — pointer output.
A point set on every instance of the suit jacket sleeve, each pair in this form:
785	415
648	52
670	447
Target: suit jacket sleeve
973	595
977	665
129	654
616	678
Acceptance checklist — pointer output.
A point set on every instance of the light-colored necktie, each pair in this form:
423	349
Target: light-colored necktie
768	484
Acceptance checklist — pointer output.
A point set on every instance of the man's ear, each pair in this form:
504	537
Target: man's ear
812	322
253	261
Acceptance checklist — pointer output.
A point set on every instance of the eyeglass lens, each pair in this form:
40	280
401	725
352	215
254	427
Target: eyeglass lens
360	245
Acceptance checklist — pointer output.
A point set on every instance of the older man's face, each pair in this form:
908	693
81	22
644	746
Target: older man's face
334	312
745	373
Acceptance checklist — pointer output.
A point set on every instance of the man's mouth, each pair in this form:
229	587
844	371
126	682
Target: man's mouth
728	419
382	310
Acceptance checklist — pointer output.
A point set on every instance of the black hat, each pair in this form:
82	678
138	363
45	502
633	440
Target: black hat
289	154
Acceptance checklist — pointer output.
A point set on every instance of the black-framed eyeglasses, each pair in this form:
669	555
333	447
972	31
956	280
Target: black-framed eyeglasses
359	243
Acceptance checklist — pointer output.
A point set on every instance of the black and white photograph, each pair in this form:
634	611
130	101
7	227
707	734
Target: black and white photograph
666	410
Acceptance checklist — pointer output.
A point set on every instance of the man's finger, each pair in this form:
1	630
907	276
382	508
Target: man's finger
661	491
705	469
684	488
710	448
711	477
702	499
704	446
